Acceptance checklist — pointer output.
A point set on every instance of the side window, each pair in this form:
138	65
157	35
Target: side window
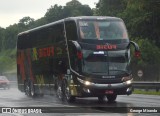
21	42
71	30
32	40
42	37
56	33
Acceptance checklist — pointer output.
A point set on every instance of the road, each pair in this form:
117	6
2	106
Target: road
82	106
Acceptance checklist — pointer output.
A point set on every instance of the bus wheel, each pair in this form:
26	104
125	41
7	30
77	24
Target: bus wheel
67	93
32	90
27	88
101	99
111	98
59	89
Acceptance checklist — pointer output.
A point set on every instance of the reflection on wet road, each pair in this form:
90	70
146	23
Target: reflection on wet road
84	106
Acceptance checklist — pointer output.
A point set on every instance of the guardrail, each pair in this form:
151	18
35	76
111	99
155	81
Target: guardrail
147	85
13	84
136	85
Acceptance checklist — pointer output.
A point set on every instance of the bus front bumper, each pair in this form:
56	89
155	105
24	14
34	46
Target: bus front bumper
124	88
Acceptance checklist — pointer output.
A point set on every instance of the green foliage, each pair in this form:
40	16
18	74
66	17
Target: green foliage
73	8
146	92
54	13
10	38
142	19
110	7
7	60
1	38
26	21
150	53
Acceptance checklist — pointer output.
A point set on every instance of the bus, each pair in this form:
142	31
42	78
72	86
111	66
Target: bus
85	56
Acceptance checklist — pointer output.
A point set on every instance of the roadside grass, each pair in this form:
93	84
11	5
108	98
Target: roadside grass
149	92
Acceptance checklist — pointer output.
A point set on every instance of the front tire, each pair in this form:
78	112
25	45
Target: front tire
32	90
59	89
26	88
29	88
111	98
67	93
101	99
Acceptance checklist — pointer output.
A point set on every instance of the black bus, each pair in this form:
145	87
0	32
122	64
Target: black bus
86	56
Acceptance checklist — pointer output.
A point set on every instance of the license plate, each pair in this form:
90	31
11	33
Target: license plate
109	91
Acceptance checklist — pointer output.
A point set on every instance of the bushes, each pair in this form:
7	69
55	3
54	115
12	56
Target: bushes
7	60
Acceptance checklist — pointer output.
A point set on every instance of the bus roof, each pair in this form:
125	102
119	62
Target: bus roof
68	19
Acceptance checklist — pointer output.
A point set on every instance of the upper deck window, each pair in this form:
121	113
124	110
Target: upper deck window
102	29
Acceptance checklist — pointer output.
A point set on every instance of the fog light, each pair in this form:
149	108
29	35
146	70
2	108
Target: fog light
86	90
129	91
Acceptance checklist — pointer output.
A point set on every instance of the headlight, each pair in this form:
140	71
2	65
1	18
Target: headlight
87	83
84	82
128	82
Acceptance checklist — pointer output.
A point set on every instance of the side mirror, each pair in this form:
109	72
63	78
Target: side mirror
137	52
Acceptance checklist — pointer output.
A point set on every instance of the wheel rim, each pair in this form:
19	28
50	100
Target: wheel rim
111	98
101	98
32	90
59	92
67	93
27	89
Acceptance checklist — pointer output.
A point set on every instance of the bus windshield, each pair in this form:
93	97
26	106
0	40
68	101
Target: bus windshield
106	62
102	29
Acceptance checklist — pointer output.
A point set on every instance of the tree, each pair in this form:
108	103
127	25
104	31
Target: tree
110	7
10	39
39	22
73	8
54	13
150	53
26	20
2	30
142	19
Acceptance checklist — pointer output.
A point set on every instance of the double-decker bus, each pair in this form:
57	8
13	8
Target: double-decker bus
86	56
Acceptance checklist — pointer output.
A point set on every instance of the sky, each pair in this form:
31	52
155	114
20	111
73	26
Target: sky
11	11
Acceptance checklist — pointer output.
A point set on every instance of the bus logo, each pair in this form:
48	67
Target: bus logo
106	47
108	77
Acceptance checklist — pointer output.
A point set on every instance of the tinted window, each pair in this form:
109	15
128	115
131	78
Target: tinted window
102	29
106	62
41	37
